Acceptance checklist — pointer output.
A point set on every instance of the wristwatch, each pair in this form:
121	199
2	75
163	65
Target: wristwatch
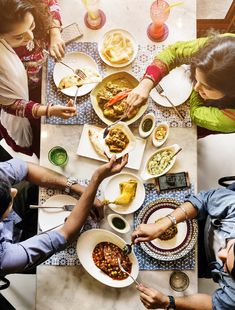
69	183
172	303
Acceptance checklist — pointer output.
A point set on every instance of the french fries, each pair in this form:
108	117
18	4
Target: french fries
117	48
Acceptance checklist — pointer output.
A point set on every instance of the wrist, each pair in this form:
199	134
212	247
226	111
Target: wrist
55	31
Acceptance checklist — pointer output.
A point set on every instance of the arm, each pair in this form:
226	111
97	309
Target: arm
32	110
211	118
56	44
153	299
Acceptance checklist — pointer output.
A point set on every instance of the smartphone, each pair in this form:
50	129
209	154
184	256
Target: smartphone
179	180
71	33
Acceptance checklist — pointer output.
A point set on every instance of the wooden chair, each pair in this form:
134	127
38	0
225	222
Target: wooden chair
222	25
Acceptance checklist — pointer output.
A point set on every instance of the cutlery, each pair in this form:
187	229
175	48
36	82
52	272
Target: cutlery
78	72
54	227
127	249
76	95
123	270
160	90
107	129
173	155
64	207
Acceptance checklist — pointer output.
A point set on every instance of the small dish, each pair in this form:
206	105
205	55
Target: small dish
118	48
160	134
146	175
125	129
147	125
118	223
179	281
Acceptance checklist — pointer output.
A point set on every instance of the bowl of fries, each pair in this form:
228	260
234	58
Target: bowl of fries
117	48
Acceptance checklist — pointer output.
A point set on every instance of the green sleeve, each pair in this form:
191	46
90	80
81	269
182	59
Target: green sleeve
209	117
181	52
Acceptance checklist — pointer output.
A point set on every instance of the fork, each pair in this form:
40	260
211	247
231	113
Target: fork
64	207
160	90
107	129
78	72
123	270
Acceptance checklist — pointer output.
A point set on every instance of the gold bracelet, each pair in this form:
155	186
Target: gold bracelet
185	212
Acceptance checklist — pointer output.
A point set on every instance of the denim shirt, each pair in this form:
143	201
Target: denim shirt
219	204
18	256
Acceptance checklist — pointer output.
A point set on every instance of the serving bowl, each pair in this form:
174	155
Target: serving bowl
146	175
85	246
116	78
159	142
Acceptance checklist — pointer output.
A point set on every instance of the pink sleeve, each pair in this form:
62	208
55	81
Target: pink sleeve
54	9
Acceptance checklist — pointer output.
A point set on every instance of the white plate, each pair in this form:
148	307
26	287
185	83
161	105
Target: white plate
76	60
86	149
85	246
172	249
49	218
110	78
145	175
177	87
112	191
126	34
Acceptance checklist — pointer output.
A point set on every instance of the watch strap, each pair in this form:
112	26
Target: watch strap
172	303
69	183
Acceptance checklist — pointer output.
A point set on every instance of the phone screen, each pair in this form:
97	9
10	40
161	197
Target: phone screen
172	181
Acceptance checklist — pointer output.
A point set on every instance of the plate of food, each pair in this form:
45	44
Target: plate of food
67	81
117	48
160	162
124	193
98	250
52	217
170	83
108	98
174	243
90	146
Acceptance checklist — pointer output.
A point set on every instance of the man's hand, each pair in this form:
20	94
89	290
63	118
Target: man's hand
97	211
152	299
112	167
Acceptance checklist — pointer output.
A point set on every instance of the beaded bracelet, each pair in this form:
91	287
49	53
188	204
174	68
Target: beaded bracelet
185	212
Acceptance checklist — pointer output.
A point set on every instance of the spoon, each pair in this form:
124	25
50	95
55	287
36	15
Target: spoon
128	248
123	270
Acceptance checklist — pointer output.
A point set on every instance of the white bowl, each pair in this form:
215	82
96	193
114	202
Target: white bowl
157	142
85	246
127	35
131	145
110	218
144	134
145	175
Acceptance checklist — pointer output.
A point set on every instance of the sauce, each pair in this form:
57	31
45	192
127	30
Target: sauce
118	223
147	125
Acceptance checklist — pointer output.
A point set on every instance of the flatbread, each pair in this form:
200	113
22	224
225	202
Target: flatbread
94	139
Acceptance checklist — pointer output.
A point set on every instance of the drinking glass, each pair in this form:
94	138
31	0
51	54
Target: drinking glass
158	31
94	17
58	156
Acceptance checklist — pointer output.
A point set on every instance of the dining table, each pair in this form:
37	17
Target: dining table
65	284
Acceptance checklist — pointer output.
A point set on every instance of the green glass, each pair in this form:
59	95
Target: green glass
58	156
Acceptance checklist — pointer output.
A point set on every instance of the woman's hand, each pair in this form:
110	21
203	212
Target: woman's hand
147	232
63	111
152	299
139	95
57	45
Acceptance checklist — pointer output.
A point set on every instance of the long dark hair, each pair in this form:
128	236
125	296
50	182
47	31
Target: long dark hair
217	62
13	11
5	196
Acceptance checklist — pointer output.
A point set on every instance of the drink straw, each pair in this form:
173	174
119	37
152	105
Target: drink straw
171	6
88	9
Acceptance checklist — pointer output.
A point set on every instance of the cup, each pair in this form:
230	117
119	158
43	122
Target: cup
159	11
58	156
94	18
179	281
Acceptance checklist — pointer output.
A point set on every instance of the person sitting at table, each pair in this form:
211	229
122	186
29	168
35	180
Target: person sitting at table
26	28
18	256
217	208
212	65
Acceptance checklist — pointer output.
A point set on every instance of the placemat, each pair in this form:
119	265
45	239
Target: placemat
144	58
85	112
147	262
68	257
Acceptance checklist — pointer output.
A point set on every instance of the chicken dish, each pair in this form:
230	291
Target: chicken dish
117	140
105	256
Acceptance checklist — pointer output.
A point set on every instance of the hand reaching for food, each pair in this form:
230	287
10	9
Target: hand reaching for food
63	111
